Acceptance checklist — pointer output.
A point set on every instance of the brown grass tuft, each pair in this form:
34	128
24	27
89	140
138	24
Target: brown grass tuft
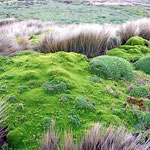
7	21
50	140
99	138
89	39
8	46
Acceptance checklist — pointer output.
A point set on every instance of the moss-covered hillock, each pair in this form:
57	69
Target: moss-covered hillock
134	49
141	91
111	67
143	64
58	88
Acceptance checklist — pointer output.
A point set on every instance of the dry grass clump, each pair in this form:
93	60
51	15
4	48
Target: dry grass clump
11	30
24	43
50	140
8	46
89	39
4	108
127	31
99	138
7	21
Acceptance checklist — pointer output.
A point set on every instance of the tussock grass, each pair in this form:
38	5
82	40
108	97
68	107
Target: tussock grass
81	39
89	39
8	46
4	108
7	21
98	138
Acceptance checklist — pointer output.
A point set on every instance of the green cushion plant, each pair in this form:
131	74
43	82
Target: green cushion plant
143	64
111	67
134	49
140	91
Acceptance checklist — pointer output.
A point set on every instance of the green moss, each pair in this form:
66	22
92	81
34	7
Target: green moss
108	119
138	41
16	137
143	64
111	67
134	49
34	39
140	91
32	104
28	75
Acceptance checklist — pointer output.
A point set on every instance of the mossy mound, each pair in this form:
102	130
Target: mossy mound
140	91
143	64
57	88
134	49
136	40
111	67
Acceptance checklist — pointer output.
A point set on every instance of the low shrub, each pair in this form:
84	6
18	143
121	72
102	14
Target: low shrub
82	103
143	120
111	67
143	64
65	97
74	120
55	87
47	122
140	91
147	104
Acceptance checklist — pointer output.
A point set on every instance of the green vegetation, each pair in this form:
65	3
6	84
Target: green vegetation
143	64
83	103
140	91
134	49
138	41
111	67
71	91
57	88
143	120
53	10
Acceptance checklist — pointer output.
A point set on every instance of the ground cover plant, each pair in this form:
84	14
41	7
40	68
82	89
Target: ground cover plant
49	77
134	49
56	88
143	64
111	67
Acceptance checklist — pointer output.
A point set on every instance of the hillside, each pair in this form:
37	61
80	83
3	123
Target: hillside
63	89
